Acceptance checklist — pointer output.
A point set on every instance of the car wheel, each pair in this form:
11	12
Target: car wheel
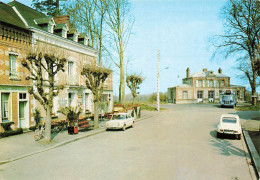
239	136
124	127
218	135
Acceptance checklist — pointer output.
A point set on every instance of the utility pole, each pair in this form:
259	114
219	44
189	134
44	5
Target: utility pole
158	91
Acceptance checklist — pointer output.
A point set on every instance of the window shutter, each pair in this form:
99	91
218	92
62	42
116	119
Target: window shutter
197	83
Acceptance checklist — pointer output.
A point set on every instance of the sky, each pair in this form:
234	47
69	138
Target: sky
180	30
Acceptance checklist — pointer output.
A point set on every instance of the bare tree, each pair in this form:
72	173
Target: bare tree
89	16
133	81
95	78
120	22
44	63
242	33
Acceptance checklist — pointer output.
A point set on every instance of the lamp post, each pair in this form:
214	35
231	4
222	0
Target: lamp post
158	81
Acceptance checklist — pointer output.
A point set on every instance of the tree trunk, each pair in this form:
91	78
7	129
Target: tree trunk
133	100
254	99
48	125
120	95
96	115
122	71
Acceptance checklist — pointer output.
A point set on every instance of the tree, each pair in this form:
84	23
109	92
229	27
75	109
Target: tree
89	16
120	22
133	81
242	33
95	78
49	7
44	63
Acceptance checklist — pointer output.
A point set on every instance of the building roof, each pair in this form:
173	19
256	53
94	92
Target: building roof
28	14
208	74
9	16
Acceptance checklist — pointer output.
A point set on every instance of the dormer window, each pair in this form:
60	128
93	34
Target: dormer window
86	40
75	36
46	23
51	26
64	32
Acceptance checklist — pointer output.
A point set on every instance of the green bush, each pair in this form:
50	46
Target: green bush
7	126
11	132
33	128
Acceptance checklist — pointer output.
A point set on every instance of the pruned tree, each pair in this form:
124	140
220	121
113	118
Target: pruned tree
133	81
120	23
95	78
44	63
241	38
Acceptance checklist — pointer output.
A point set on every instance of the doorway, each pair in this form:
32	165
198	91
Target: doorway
23	122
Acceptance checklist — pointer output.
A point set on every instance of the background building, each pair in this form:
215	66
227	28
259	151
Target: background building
204	86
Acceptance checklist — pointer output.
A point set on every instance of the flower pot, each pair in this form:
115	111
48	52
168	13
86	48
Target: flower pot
73	130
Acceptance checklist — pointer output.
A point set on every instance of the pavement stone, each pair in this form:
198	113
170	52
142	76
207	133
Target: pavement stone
23	145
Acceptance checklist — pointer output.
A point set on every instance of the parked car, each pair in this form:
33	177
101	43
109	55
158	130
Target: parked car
229	124
120	121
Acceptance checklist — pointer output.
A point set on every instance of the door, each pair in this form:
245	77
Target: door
5	107
22	115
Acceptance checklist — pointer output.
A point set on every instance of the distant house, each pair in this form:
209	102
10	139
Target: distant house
205	87
22	26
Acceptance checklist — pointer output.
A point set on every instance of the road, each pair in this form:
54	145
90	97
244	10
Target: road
177	144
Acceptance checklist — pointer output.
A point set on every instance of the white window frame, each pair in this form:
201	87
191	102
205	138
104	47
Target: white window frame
70	68
13	62
200	94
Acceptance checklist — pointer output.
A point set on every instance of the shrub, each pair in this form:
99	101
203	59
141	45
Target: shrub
7	126
33	128
11	132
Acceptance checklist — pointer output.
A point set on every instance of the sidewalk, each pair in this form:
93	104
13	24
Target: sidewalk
20	146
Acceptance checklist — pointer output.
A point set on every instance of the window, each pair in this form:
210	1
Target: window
211	83
211	94
238	93
70	68
12	65
222	83
22	95
184	95
200	94
200	83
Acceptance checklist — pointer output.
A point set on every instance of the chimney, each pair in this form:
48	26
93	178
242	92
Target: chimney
220	71
62	19
205	70
188	72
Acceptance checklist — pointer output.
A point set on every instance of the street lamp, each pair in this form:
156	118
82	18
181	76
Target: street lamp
158	79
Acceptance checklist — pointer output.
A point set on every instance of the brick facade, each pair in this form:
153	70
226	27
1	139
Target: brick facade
13	42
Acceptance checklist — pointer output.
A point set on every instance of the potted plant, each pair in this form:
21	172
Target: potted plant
72	114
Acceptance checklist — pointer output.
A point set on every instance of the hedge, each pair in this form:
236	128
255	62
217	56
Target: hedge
11	132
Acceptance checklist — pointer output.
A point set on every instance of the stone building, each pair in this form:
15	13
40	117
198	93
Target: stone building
22	26
205	87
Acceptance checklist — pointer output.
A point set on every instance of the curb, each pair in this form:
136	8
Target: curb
98	131
253	153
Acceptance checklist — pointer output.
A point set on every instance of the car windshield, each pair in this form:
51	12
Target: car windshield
227	97
119	117
229	120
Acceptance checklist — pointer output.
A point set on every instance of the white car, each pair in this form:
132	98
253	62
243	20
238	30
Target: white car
229	124
120	121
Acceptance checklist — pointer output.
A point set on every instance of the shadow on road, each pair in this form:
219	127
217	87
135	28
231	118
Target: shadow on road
225	146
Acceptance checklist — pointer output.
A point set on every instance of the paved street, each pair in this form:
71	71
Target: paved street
178	144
